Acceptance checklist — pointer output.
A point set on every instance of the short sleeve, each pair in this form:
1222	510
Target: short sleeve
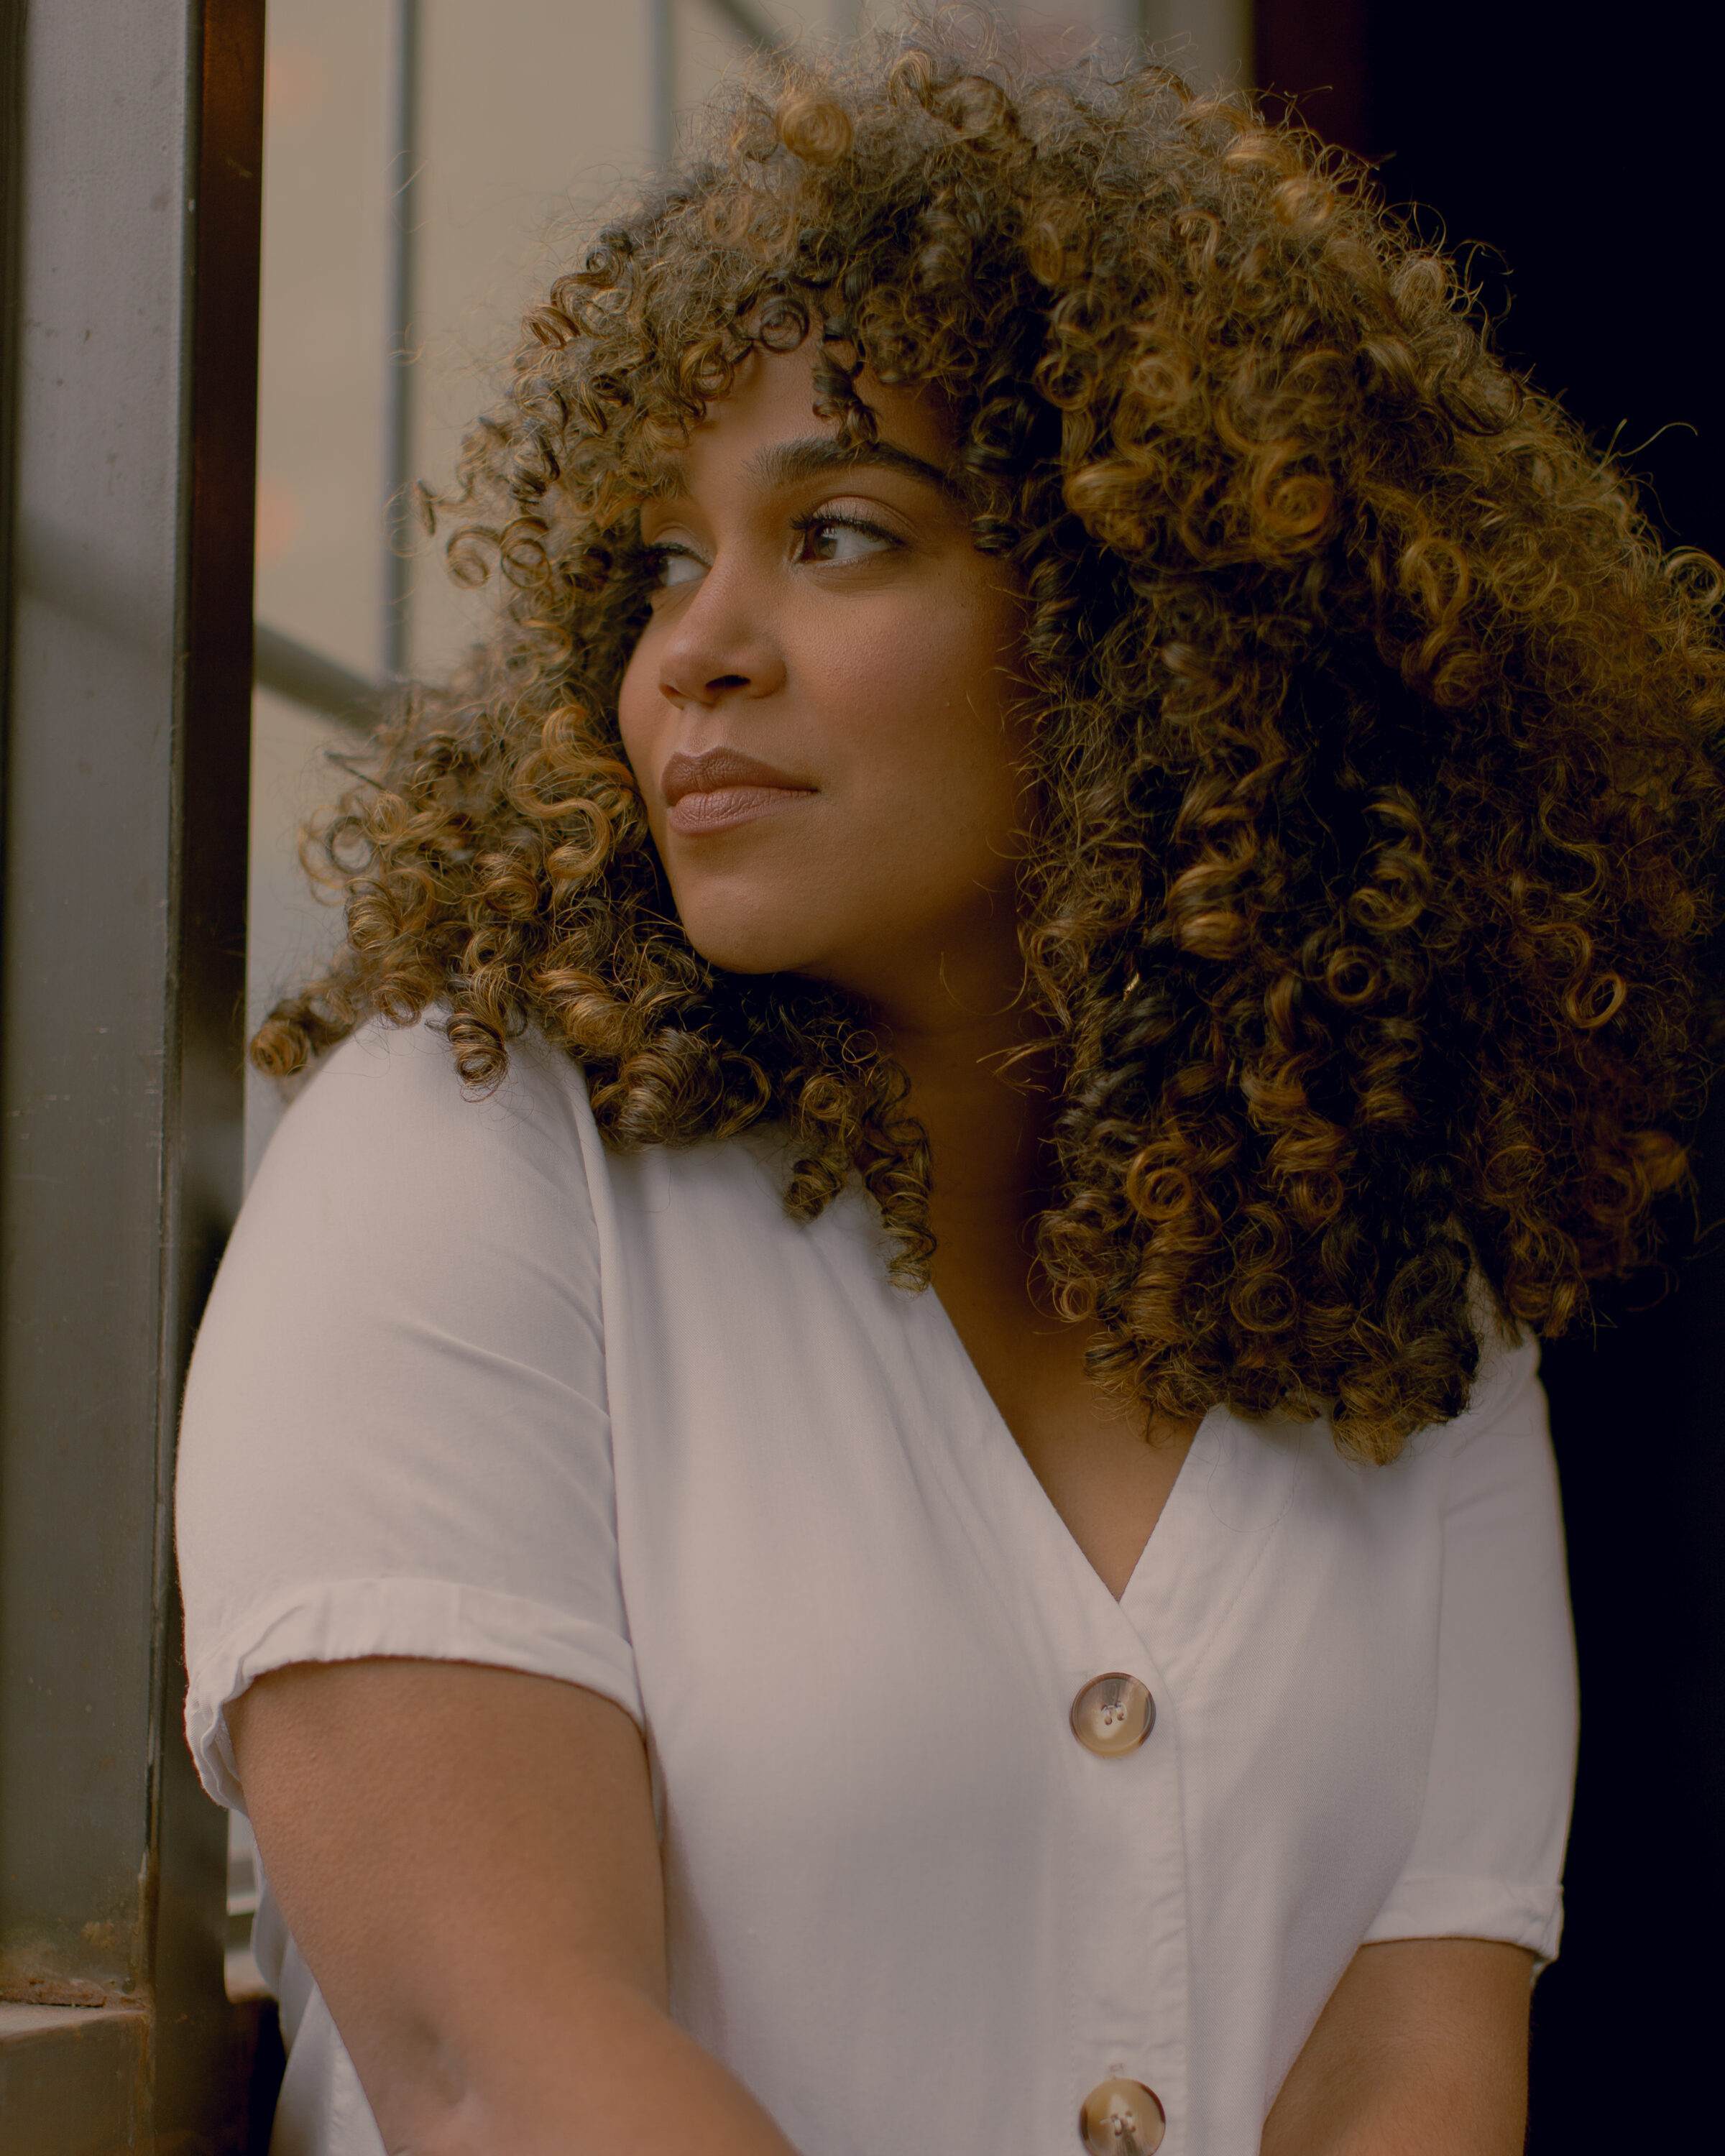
1487	1858
395	1438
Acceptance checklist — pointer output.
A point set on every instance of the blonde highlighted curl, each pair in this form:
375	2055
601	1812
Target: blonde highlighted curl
1377	753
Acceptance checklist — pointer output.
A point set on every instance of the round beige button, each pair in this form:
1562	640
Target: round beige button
1122	2118
1113	1715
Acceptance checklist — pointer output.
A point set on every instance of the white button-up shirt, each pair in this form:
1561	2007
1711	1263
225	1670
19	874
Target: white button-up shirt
472	1387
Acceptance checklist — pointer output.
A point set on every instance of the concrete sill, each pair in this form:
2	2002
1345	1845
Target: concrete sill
72	2079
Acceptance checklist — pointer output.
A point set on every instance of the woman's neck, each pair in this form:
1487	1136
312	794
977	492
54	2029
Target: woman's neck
987	1109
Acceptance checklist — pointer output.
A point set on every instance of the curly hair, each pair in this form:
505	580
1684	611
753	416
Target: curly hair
1375	743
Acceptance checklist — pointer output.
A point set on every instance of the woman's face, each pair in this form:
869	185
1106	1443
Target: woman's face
822	713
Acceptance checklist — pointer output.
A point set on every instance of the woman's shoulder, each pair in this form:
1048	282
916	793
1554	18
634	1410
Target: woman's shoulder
1503	1430
1506	1389
395	1069
391	1099
385	1132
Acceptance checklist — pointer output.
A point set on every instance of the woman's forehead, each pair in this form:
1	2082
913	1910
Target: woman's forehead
776	392
768	424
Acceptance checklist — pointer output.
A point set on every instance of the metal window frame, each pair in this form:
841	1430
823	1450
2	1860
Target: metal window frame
132	213
313	686
310	678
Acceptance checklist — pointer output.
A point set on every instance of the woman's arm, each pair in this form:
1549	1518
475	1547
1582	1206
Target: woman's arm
1422	2051
466	1859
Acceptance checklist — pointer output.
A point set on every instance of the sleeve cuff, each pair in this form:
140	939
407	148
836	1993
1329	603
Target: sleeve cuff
343	1621
1453	1906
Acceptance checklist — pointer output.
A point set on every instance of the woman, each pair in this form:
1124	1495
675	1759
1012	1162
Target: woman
867	1473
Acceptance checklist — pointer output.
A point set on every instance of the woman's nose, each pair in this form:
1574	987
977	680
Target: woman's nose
720	646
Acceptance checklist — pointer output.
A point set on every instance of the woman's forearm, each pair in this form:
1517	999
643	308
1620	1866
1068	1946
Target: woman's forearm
1422	2051
467	1859
597	2069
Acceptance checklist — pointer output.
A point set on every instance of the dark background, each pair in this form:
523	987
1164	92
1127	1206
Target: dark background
1587	167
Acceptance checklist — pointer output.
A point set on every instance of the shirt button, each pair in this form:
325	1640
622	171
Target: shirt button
1111	1716
1122	2118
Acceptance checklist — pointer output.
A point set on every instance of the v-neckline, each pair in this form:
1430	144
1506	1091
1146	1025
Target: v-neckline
1001	1437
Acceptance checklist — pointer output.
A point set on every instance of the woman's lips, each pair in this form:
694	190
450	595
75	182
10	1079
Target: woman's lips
724	806
722	789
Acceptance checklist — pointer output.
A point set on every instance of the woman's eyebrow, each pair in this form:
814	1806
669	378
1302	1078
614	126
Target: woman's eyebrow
816	456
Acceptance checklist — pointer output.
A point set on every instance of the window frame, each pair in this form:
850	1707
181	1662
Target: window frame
131	222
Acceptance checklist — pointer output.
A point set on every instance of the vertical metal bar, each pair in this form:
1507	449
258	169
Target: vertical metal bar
121	987
84	1108
204	1038
662	61
400	528
12	117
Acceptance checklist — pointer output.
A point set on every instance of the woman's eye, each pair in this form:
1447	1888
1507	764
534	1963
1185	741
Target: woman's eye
676	565
842	539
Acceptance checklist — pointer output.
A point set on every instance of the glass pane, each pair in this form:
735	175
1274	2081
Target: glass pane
321	479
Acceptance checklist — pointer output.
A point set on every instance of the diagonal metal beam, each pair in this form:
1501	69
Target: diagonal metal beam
287	668
749	23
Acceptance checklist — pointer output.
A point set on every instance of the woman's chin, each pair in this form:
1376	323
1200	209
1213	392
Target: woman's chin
754	947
